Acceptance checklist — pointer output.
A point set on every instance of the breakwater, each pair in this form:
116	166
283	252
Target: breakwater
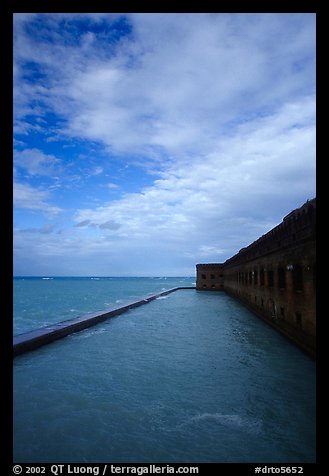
36	338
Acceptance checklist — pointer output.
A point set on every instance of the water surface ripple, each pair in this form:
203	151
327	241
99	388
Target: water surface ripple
192	377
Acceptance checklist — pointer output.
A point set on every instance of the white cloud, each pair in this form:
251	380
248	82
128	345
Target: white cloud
29	198
245	185
97	170
35	162
45	229
112	186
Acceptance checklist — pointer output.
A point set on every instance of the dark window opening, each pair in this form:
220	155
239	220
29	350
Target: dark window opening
270	278
262	277
297	277
255	277
203	276
299	319
282	312
282	278
212	276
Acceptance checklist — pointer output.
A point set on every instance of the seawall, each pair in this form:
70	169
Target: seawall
36	338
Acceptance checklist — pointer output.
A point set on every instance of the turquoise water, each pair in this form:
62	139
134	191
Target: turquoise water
190	377
42	301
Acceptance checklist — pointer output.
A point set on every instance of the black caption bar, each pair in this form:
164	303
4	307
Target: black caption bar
140	469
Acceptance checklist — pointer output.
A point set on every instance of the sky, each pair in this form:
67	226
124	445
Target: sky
147	143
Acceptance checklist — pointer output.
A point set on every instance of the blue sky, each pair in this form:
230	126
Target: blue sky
147	143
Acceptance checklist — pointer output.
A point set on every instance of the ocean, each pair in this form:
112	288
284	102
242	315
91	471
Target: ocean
189	377
40	301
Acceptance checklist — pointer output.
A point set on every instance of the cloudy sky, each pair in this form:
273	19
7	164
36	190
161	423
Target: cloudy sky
147	143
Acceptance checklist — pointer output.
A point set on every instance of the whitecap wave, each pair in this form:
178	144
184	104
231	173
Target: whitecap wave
230	420
88	333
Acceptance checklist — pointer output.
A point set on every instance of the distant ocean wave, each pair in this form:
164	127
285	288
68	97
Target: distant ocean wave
229	420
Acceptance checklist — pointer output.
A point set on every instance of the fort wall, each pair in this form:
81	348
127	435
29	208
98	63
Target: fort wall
275	276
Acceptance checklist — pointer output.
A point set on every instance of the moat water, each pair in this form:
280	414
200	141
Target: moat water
190	377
